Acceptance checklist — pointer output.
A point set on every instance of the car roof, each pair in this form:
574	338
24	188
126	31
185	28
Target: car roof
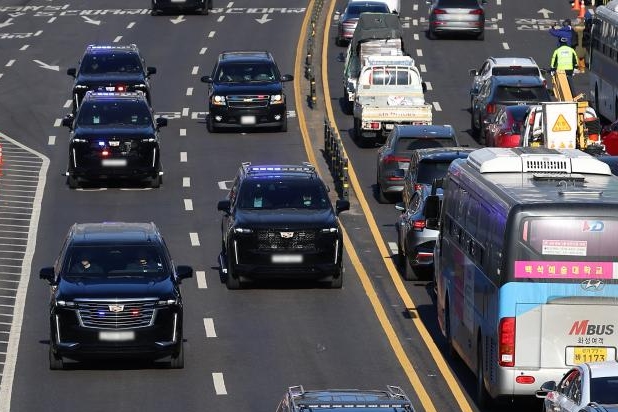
352	399
103	49
443	153
306	170
602	369
113	232
245	56
425	130
513	61
102	96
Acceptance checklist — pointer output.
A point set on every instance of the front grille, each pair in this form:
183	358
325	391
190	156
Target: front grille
300	240
107	315
248	101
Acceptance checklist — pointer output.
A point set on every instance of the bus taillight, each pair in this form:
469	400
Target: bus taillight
506	333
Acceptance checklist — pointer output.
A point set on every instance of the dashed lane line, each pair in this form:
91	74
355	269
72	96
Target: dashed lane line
220	19
437	107
57	122
185	111
506	46
24	47
183	157
10	63
195	70
117	39
188	205
182	132
203	50
51	20
38	33
423	68
67	104
393	247
130	25
186	182
189	91
429	86
211	34
501	30
209	326
200	276
195	239
217	379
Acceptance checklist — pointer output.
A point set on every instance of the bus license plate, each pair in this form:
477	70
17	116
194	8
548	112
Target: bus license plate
114	162
287	258
586	354
117	336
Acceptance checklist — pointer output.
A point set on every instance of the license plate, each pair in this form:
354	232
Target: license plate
388	126
178	1
287	258
114	162
110	88
586	354
117	336
404	165
247	119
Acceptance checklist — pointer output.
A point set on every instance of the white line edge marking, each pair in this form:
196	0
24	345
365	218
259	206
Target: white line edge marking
209	327
6	385
195	239
200	276
217	379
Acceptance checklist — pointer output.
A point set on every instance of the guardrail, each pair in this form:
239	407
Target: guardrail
309	72
337	162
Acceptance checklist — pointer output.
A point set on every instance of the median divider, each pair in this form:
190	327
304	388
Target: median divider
337	162
309	69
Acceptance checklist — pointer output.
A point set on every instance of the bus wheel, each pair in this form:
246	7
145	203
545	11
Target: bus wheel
483	400
450	349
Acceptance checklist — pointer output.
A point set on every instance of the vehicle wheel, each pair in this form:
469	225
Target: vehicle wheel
55	362
337	281
357	133
450	349
231	281
338	42
156	181
475	130
402	260
72	182
481	35
383	197
481	134
347	105
178	361
431	34
210	125
483	400
153	10
205	5
284	126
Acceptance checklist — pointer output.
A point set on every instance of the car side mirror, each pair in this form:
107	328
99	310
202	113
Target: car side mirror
184	272
431	210
48	274
337	13
287	78
206	79
151	70
400	207
67	121
545	389
424	86
342	205
72	71
224	206
473	72
161	121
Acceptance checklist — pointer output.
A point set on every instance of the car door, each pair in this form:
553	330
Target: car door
571	402
478	103
481	75
227	221
411	214
558	400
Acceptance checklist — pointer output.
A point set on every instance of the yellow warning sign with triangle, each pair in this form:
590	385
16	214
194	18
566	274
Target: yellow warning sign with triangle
561	125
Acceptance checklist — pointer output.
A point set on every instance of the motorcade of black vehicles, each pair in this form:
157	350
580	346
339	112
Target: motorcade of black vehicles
498	91
166	6
110	68
246	90
114	136
297	399
278	222
115	295
394	156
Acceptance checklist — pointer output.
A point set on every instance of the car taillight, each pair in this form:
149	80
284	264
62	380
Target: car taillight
439	11
544	83
419	225
491	108
417	186
477	11
395	159
506	336
121	88
105	153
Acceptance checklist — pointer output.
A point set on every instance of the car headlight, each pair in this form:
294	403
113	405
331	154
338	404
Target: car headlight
330	230
139	86
277	99
242	230
78	140
167	302
65	303
148	139
218	100
81	86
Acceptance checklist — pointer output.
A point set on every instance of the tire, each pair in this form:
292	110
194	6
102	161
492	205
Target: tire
284	126
231	280
475	130
481	35
383	197
55	362
450	349
483	400
178	361
431	34
357	134
156	181
72	182
337	282
205	7
404	268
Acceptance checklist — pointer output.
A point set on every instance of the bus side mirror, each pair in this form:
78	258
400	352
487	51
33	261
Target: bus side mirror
431	210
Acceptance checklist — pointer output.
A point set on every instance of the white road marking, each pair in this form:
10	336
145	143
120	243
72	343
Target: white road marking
58	123
188	204
195	239
183	132
67	104
499	16
51	140
393	247
1	74
414	22
130	25
415	7
423	68
203	50
211	34
183	157
222	185
189	91
419	52
505	45
38	33
195	70
209	326
429	86
416	36
230	4
185	111
117	39
501	30
10	63
24	47
437	107
200	276
498	2
217	379
186	182
220	19
51	20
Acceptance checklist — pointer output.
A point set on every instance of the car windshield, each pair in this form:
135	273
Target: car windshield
142	260
354	10
102	113
111	63
429	170
405	144
514	70
464	4
604	390
245	72
522	93
282	194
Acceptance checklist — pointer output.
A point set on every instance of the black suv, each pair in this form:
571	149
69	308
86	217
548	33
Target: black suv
110	69
160	6
393	399
246	90
114	135
115	293
279	222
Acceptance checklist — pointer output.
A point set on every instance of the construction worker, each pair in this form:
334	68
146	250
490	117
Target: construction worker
564	58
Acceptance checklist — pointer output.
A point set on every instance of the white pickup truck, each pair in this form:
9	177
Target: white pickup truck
390	91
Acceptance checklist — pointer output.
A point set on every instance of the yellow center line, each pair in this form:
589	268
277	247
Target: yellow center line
452	383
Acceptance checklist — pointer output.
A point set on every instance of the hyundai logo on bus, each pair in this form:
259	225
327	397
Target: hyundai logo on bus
593	285
593	226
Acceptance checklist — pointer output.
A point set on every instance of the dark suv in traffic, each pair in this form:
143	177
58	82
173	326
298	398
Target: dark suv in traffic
278	221
115	293
114	136
246	91
110	69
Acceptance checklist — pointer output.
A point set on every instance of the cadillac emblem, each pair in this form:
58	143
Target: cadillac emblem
287	235
116	308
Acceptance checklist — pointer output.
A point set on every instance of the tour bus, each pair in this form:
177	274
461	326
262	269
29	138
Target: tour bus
525	265
603	60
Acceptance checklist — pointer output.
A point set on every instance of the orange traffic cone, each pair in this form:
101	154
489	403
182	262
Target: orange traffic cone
575	5
582	11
